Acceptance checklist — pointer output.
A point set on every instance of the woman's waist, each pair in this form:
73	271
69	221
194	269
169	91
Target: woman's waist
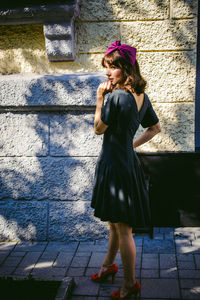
125	142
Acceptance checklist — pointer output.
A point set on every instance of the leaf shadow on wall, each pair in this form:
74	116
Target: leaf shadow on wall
46	195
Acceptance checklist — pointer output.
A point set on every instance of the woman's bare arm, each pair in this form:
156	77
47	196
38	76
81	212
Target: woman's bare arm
147	135
99	126
103	89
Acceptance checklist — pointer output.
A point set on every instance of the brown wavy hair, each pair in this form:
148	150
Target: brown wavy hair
133	79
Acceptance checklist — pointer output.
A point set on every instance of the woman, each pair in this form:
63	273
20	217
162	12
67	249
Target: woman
119	195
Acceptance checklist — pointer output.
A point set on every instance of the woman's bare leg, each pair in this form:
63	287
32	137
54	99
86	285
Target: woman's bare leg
128	256
113	247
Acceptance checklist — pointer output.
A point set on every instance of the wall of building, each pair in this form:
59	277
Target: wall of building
48	156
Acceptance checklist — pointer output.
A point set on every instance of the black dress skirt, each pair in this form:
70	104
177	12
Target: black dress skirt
120	193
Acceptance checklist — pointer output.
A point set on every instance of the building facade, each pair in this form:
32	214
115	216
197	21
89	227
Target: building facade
48	148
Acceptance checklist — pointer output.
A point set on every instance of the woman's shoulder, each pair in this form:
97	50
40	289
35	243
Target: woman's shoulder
120	92
147	101
119	95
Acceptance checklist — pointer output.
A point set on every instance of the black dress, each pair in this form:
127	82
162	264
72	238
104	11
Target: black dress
119	193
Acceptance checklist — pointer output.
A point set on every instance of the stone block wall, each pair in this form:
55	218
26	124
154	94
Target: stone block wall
48	149
48	153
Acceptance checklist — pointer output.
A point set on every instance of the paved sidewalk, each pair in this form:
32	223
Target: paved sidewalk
167	266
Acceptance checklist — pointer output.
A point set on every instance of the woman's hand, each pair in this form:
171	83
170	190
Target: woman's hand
104	88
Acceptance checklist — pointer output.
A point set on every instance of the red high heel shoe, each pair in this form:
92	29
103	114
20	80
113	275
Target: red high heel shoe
111	271
133	291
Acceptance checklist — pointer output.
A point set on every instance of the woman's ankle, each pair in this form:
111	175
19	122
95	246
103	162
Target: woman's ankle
129	284
107	265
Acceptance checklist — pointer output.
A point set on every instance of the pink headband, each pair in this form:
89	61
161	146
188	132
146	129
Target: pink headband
124	50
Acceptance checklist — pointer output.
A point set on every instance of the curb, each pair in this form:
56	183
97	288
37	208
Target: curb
65	288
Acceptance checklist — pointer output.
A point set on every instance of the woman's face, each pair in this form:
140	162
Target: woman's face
114	74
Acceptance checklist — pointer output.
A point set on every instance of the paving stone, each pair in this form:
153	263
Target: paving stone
150	261
23	272
156	230
80	261
85	286
189	274
97	259
45	261
197	234
167	261
146	256
3	256
83	254
166	230
138	262
138	241
159	236
76	272
138	249
187	249
103	242
169	273
169	236
118	281
49	255
17	253
6	271
151	273
61	246
190	237
189	283
185	257
91	247
64	259
31	246
7	246
29	260
158	246
49	273
120	272
186	265
193	293
137	273
12	261
41	264
196	243
100	241
197	260
182	242
90	271
160	288
186	230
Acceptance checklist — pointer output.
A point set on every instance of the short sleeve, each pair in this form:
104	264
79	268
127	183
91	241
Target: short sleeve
108	111
150	118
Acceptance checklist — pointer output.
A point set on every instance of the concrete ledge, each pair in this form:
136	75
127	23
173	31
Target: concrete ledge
65	288
37	14
40	90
